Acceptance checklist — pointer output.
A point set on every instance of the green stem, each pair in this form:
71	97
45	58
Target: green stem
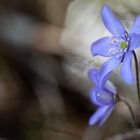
137	75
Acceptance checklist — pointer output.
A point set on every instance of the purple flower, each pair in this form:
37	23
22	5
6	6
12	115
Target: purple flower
103	95
119	46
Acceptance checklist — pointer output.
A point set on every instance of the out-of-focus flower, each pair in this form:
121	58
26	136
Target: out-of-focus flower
120	46
103	95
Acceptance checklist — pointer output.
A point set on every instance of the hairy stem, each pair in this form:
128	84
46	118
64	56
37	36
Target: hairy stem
137	75
134	121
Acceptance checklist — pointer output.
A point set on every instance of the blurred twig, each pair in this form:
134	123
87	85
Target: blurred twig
65	132
133	135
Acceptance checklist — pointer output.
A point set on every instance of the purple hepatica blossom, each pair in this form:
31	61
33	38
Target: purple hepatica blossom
103	95
120	46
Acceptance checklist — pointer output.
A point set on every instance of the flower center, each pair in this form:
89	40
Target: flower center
123	44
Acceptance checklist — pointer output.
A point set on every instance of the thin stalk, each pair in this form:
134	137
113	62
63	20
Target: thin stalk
137	74
134	121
